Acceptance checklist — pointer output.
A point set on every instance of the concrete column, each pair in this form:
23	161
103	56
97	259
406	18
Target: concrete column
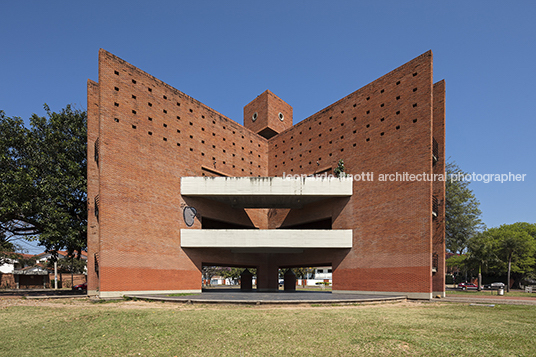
246	280
267	277
290	280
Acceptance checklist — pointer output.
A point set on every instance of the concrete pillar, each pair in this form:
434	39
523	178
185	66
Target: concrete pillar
246	280
267	277
290	280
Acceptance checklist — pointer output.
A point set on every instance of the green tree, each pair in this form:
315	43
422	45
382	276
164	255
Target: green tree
515	246
7	248
303	272
482	252
43	178
462	212
208	272
72	264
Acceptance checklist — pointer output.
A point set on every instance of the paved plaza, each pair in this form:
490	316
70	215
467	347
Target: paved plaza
235	296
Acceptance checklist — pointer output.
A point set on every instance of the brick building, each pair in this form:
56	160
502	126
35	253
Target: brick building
174	185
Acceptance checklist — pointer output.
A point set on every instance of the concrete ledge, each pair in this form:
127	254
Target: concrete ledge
118	294
56	297
267	301
266	238
409	295
266	192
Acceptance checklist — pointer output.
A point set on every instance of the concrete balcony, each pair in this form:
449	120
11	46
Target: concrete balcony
266	239
266	192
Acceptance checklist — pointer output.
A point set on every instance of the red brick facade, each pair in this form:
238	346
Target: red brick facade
148	135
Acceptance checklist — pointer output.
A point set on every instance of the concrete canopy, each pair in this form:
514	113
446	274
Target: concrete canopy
266	192
266	238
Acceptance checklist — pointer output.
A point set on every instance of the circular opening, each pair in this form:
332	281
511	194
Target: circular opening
254	116
281	116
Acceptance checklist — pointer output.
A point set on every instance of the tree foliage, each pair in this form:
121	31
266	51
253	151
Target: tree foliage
462	212
70	264
509	249
303	272
43	178
7	248
225	272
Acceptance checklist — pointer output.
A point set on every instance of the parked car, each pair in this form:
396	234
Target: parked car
80	287
496	285
467	286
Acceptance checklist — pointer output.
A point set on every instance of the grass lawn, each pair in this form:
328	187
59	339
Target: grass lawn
134	328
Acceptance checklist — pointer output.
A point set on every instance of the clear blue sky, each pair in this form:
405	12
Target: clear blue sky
309	53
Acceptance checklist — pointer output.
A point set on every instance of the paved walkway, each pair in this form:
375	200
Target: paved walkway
234	296
506	300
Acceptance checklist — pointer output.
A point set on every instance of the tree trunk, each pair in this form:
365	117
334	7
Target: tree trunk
480	277
509	269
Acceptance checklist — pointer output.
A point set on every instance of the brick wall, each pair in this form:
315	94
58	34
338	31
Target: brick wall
150	135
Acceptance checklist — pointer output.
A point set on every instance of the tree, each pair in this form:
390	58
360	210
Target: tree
43	178
7	248
481	249
462	212
516	244
208	272
303	272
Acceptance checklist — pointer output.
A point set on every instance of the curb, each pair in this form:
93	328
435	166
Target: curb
264	301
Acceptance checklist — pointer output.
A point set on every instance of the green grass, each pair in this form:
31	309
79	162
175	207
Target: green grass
154	329
490	293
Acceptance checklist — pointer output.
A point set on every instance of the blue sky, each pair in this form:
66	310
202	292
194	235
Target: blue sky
309	53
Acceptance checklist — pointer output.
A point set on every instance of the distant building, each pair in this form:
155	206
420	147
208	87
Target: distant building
173	185
15	274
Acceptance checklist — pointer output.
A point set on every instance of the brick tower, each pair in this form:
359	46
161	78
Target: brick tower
267	115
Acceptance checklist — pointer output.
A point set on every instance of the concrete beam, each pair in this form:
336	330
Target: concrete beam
266	238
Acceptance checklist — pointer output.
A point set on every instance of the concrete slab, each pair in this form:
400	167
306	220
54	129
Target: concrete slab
266	238
234	296
266	192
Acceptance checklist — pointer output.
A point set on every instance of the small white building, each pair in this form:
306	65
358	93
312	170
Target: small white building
320	275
